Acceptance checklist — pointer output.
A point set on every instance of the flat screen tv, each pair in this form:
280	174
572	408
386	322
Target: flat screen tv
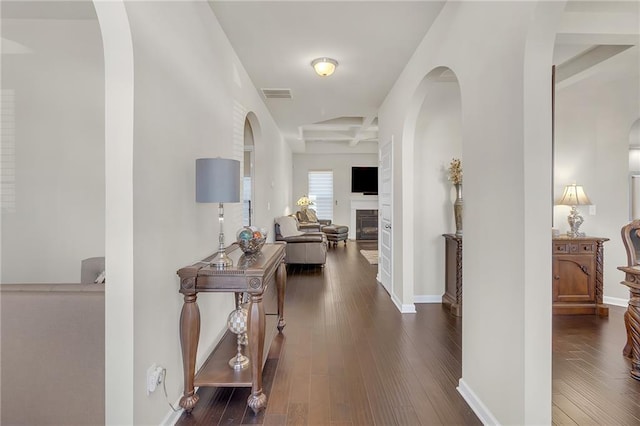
365	180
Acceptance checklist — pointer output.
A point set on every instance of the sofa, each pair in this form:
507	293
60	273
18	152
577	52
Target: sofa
303	247
53	351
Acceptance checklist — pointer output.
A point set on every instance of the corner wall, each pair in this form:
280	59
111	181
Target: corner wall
54	149
593	120
341	165
190	100
507	154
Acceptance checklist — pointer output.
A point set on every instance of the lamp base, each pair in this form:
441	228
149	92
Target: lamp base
221	261
575	220
239	362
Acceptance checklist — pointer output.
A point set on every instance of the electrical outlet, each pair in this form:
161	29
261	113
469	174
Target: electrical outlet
155	375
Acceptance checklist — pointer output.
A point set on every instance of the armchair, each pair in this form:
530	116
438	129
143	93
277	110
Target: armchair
308	221
309	247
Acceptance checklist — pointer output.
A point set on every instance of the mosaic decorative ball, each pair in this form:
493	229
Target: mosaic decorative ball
251	239
237	321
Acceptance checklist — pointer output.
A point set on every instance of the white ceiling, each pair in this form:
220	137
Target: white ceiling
371	40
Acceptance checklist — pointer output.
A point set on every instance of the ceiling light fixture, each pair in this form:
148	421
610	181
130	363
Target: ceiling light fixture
324	66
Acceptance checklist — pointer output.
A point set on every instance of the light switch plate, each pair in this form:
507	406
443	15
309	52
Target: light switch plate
592	210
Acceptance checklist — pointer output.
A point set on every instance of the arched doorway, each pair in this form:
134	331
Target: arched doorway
248	175
433	129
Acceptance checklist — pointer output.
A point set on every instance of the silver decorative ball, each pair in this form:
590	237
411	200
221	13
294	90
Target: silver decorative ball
237	321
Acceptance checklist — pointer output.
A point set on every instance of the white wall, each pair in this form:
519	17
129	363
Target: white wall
341	165
191	97
504	78
438	140
58	86
593	120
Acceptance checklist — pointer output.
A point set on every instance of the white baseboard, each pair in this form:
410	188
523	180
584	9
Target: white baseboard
616	301
409	308
172	416
481	410
427	298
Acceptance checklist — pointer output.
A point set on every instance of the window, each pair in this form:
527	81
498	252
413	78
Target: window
321	193
246	197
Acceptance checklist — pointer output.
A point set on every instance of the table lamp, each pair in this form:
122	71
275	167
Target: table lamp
218	181
573	196
304	202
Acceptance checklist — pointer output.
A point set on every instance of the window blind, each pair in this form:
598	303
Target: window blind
321	193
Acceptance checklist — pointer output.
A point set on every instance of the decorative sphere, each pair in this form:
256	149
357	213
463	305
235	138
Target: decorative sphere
251	239
237	321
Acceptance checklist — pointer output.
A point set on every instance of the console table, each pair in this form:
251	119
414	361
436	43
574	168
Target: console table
452	296
578	275
249	274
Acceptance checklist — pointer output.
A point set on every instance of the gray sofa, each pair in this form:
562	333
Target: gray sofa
302	247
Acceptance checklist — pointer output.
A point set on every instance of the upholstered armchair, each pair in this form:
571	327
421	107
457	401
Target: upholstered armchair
308	221
308	247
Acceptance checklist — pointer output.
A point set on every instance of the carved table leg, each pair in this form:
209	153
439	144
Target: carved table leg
601	309
632	322
189	336
281	284
257	400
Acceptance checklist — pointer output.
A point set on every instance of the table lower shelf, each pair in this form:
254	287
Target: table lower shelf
216	371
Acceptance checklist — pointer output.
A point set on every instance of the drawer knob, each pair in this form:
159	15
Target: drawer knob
557	277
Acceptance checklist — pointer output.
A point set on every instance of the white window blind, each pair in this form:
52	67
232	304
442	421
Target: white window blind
246	197
321	193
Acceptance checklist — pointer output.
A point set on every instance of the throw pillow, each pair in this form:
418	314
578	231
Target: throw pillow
288	227
311	215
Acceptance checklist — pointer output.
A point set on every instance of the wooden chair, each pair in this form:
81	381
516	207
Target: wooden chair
631	239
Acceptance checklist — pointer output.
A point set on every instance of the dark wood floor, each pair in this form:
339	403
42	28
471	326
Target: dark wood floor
348	357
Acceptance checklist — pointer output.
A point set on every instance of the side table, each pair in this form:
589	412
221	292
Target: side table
452	296
250	274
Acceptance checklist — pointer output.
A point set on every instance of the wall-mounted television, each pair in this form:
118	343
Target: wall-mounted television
365	180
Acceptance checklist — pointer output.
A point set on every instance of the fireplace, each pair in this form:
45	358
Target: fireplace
366	224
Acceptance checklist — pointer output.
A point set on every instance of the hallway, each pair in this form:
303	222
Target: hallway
348	357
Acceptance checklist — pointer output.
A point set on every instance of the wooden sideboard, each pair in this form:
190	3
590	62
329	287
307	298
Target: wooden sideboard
249	274
452	296
577	275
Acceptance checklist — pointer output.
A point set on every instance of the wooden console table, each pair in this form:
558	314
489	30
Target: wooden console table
249	274
452	296
578	275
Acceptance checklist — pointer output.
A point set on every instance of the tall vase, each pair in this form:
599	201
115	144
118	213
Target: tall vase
457	209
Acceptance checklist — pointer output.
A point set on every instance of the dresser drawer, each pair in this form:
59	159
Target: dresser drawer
566	248
586	247
573	247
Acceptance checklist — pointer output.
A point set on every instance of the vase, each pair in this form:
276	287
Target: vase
457	209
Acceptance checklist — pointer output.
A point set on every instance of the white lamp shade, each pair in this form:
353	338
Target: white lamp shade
574	195
217	180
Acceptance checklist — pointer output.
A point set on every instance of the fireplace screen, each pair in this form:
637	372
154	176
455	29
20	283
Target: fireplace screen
366	224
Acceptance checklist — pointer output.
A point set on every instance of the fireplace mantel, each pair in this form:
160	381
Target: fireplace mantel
360	202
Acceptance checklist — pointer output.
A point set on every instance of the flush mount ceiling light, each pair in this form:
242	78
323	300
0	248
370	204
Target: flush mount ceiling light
324	66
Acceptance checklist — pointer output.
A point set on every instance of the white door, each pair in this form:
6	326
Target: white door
385	208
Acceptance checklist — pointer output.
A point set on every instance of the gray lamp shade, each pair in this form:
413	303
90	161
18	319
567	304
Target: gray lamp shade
217	180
